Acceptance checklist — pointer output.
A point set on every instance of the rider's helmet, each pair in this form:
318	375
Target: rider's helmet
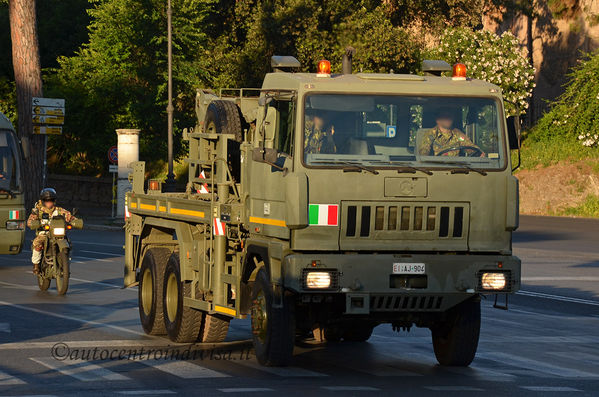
48	194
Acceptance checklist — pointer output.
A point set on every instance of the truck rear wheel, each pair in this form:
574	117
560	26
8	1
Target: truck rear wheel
182	322
357	332
273	328
151	280
214	328
456	339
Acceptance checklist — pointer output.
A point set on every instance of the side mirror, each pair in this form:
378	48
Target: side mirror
265	155
25	147
513	132
75	211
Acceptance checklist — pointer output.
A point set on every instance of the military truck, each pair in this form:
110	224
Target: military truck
12	206
315	206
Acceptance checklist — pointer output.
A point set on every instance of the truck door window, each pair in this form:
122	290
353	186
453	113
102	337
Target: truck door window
284	129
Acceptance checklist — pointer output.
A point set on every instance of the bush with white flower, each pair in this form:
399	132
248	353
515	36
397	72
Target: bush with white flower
575	114
493	58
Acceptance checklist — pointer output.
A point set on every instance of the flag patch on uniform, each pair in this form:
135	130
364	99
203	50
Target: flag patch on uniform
218	227
323	214
14	215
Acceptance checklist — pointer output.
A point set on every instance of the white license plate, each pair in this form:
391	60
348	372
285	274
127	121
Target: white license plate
409	268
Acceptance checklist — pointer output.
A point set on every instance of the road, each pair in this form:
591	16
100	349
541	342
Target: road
546	344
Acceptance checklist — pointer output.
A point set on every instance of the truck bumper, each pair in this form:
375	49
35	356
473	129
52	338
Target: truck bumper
367	282
12	241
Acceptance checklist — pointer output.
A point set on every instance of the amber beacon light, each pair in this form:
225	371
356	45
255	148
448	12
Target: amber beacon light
324	68
459	71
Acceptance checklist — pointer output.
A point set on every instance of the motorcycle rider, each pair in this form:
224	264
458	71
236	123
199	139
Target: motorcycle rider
45	205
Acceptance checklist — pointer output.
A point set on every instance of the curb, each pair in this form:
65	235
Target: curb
102	227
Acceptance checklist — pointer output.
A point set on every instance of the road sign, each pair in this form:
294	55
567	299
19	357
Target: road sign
48	102
113	168
47	130
53	120
47	111
113	155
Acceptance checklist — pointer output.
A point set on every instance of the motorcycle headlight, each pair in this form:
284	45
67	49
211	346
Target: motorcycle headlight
58	231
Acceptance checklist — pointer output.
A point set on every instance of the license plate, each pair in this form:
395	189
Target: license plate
409	268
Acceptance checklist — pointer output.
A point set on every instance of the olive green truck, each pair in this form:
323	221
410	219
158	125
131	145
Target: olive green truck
329	204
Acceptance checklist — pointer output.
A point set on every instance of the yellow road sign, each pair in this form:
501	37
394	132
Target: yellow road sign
47	130
46	111
54	120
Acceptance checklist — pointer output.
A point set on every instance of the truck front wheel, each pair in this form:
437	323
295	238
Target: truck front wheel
182	323
455	340
273	328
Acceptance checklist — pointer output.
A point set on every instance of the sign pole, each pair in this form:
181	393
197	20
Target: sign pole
45	168
113	203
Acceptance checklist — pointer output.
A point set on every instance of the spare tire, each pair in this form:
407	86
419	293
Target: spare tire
224	117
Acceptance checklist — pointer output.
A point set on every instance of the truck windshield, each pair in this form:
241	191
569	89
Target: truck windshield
10	171
403	131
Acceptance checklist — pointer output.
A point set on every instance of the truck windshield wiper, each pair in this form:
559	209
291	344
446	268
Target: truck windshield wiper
463	166
407	167
350	166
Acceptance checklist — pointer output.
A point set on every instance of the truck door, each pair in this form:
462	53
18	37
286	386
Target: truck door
274	139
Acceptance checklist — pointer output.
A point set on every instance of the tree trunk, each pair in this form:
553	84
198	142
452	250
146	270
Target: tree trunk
28	79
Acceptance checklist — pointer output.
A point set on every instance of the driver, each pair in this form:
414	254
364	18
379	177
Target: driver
318	134
441	137
45	205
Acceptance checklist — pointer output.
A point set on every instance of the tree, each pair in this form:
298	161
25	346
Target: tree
28	81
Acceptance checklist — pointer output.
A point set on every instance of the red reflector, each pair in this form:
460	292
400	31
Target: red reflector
459	71
154	185
324	68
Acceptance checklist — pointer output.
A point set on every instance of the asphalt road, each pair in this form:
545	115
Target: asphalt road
546	344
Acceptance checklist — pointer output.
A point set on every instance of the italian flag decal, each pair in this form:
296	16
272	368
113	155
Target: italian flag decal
324	214
14	215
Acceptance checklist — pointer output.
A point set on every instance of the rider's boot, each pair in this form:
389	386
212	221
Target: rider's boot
36	257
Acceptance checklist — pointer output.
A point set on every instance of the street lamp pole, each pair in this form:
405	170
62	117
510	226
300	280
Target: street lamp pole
170	178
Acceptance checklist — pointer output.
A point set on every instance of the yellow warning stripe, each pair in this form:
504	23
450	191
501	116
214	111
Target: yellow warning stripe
148	207
162	208
180	211
133	205
225	310
267	221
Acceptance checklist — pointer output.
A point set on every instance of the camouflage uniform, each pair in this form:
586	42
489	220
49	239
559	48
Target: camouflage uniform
317	141
435	141
36	214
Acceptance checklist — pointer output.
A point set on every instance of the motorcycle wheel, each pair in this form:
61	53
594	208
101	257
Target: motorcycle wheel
43	283
62	273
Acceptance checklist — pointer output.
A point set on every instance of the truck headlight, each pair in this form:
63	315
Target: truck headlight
15	225
58	231
493	281
318	280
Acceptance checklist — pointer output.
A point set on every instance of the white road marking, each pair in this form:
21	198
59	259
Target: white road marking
100	244
71	318
78	369
91	259
560	278
287	372
558	298
8	380
153	342
539	366
101	253
350	388
385	369
244	389
550	388
5	327
481	373
101	283
144	392
183	369
453	388
20	286
588	358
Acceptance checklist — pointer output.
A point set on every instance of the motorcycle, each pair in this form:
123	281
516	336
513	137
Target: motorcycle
56	257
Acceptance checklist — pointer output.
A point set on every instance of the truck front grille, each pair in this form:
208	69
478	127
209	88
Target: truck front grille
388	303
445	220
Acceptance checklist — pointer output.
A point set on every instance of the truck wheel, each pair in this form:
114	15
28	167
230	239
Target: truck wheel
182	323
357	332
151	280
224	117
63	273
214	328
332	334
455	340
273	328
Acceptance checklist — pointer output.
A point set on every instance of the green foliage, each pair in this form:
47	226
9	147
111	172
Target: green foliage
8	99
589	208
574	117
493	58
549	152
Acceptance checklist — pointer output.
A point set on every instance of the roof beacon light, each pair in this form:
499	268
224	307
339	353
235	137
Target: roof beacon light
459	72
324	69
